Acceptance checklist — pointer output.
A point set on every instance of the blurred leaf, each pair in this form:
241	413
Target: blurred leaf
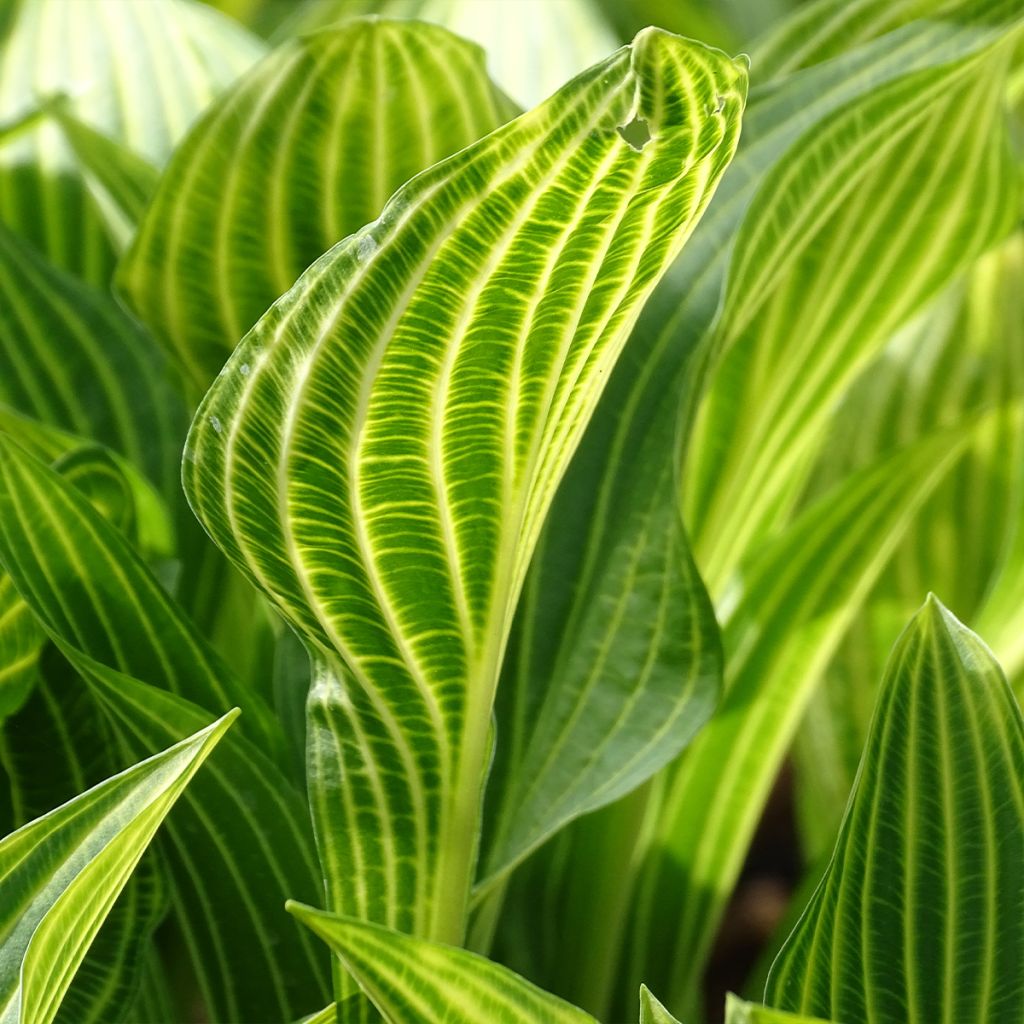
918	916
651	1011
416	982
60	874
739	1012
138	73
71	358
532	46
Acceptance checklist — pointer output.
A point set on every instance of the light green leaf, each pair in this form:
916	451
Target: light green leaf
964	354
60	874
804	586
918	915
52	749
651	1011
303	151
416	982
638	424
136	72
827	29
806	308
737	1011
72	359
532	46
121	182
380	451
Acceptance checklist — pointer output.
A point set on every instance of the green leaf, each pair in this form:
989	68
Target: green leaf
381	450
814	308
964	354
532	46
61	553
138	73
243	843
737	1011
120	181
313	140
21	639
60	874
918	915
55	747
72	359
639	423
651	1011
804	587
416	982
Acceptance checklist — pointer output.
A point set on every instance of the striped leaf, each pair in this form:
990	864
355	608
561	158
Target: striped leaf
137	72
898	193
303	151
737	1011
72	359
120	181
805	587
532	46
412	981
55	747
21	639
243	842
637	424
60	874
962	356
918	917
381	449
826	29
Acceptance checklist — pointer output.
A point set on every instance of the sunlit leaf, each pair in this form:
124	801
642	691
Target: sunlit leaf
918	917
380	451
416	982
60	874
313	139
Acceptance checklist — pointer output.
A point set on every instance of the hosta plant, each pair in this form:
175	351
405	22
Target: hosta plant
546	434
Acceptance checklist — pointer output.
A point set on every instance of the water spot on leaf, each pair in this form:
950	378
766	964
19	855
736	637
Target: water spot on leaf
366	248
215	423
244	369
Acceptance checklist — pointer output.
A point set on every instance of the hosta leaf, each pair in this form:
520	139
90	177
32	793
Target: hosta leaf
806	309
71	358
20	641
918	917
965	354
55	747
120	181
826	29
805	586
60	552
314	139
737	1011
651	1011
136	72
381	449
60	874
638	424
416	982
532	46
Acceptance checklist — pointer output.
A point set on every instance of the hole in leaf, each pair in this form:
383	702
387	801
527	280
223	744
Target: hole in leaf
637	133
